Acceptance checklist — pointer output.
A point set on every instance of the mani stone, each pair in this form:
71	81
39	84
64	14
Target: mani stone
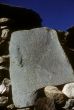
36	60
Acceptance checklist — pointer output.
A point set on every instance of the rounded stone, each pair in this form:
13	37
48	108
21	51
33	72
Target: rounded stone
59	98
68	90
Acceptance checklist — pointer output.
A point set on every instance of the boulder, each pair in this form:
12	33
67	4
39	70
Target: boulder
36	60
68	90
57	95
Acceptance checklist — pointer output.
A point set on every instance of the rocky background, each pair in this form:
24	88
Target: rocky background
51	97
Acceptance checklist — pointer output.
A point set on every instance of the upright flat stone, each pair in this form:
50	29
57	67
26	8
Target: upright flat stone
36	60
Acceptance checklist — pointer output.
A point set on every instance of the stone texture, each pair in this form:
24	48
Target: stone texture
45	104
68	90
4	35
7	84
69	104
3	101
2	88
36	60
11	107
11	20
4	61
5	87
58	97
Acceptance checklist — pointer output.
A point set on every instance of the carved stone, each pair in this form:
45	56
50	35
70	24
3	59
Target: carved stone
36	60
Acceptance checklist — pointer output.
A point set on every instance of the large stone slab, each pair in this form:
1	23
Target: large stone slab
36	60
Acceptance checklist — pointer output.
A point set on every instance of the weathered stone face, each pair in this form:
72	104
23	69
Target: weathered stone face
36	60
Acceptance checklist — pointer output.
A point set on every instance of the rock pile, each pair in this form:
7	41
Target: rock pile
49	97
11	19
55	99
4	62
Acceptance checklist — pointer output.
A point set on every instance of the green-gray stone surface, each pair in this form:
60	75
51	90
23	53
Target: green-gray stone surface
36	60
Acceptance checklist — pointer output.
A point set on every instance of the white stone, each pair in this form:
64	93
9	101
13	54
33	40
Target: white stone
4	34
36	60
2	88
68	90
3	20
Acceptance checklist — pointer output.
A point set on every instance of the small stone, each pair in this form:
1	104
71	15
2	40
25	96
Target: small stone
3	27
4	61
3	101
4	73
2	20
1	60
5	87
4	33
59	98
69	104
68	90
7	84
1	68
2	88
11	107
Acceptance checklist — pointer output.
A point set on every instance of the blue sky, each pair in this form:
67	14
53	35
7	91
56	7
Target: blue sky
57	14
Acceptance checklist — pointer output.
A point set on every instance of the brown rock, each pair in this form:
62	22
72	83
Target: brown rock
4	35
59	98
3	101
45	104
4	61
